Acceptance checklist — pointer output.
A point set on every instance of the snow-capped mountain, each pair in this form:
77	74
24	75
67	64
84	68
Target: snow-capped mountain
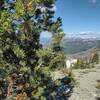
84	35
76	42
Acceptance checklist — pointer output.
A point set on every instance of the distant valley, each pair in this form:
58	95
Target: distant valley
77	42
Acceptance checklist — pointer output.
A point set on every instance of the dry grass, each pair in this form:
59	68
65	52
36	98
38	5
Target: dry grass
98	86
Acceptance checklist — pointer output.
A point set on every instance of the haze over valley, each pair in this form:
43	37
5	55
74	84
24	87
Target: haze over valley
77	42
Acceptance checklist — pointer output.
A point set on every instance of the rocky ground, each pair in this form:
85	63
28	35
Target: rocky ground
86	89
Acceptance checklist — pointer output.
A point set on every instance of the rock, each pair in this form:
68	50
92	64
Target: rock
58	75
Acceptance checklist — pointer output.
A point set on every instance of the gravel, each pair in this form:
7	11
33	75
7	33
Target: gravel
86	90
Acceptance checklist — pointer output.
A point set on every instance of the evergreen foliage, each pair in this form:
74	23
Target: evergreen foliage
95	58
83	64
25	67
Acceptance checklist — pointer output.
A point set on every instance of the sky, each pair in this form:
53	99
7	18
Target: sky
79	15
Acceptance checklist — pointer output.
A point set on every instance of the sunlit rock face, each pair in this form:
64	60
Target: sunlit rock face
70	63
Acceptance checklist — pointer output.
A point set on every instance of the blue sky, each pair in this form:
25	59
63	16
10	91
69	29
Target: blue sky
79	15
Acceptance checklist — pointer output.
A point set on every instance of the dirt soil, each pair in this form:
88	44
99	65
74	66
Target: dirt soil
86	89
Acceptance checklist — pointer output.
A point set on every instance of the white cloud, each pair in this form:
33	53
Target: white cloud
93	1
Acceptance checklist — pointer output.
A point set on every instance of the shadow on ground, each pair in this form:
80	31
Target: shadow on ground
98	98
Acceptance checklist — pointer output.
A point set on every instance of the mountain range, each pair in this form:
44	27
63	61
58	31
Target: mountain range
77	42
